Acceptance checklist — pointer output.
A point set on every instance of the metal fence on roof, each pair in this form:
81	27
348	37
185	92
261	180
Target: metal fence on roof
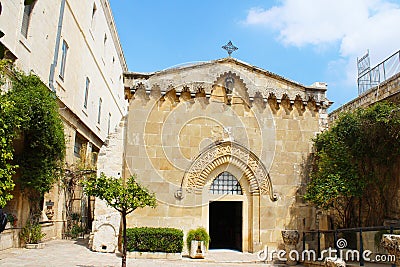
380	73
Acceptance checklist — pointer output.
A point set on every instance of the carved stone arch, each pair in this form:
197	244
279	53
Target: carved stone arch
200	92
221	79
286	104
220	153
140	92
258	100
239	85
185	94
299	104
170	94
312	105
155	92
273	102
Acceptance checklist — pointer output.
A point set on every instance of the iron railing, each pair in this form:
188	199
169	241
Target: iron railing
380	73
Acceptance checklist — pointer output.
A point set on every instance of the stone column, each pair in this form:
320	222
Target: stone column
392	244
290	238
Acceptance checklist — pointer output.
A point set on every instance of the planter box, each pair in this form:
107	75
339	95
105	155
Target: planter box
197	249
154	255
35	246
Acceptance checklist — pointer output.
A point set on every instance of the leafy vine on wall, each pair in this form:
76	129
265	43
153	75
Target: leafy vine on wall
31	118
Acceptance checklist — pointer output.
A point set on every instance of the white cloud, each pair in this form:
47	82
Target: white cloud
356	25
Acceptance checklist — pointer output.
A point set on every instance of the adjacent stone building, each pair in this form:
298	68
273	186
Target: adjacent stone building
222	144
73	46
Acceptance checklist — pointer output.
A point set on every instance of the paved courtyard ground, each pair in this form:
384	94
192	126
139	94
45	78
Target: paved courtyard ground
75	253
68	253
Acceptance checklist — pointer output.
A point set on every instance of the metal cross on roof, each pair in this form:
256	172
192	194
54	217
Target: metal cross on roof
229	47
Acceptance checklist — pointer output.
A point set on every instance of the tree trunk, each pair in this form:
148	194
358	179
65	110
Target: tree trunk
359	211
123	213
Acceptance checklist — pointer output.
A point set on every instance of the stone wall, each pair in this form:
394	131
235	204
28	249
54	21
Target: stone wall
106	224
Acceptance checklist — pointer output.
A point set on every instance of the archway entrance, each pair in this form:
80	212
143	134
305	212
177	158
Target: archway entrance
226	224
226	216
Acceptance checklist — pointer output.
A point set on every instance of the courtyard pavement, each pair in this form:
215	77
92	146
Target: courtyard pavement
75	253
68	253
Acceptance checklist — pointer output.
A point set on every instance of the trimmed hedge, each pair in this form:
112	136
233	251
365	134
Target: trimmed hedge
147	239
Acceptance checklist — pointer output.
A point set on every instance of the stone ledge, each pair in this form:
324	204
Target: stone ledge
154	255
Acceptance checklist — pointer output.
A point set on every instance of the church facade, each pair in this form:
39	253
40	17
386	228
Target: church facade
223	145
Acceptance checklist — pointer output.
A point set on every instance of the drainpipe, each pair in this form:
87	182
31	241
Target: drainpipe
57	46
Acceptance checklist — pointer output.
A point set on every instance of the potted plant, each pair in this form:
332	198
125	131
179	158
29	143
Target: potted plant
197	241
31	234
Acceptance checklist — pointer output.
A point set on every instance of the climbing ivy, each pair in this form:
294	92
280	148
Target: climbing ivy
354	170
9	122
32	117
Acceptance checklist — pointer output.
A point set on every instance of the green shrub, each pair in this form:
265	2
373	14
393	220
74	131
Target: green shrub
147	239
31	233
76	230
199	234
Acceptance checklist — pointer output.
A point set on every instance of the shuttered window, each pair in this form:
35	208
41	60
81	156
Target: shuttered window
99	112
63	59
109	123
85	102
79	142
26	19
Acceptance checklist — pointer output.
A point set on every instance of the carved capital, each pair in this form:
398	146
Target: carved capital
392	244
334	262
290	237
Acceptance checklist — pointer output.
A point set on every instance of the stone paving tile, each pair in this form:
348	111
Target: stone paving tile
75	253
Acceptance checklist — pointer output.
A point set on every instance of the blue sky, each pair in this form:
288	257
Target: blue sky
303	40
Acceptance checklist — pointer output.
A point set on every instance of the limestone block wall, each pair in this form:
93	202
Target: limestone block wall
187	125
166	133
106	224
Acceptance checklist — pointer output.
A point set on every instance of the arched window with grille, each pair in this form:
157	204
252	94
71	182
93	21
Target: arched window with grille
226	184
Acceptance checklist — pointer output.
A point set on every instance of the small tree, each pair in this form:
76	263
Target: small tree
124	196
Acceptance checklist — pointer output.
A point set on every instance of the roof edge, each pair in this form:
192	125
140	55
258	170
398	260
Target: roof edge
317	86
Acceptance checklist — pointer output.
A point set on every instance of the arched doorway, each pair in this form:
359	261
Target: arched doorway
225	217
253	178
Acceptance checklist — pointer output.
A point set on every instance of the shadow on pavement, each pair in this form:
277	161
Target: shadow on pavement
82	242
